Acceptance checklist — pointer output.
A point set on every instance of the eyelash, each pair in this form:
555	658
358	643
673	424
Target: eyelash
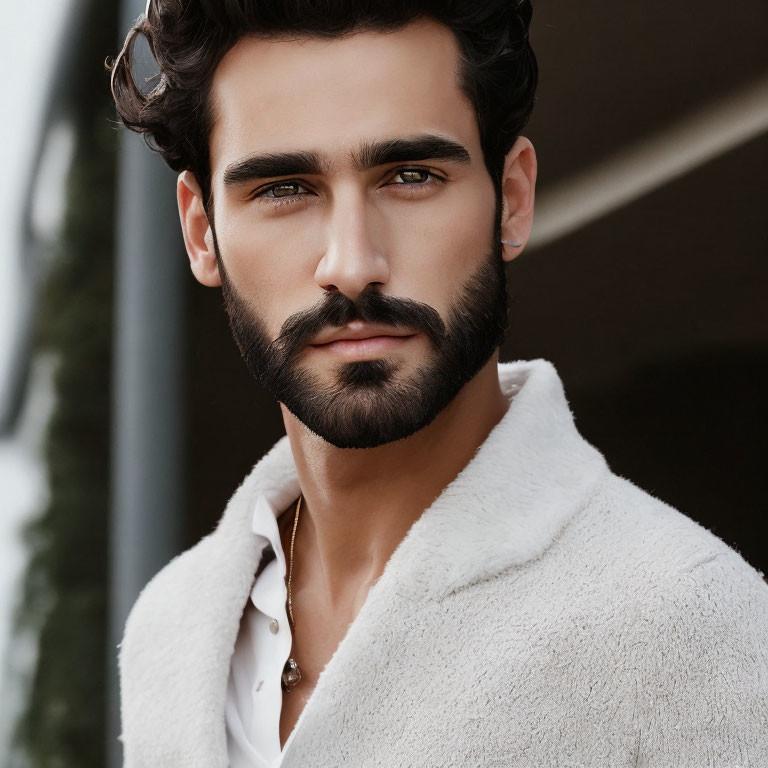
289	199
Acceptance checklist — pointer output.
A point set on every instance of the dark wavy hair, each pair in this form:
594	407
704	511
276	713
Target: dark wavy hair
188	39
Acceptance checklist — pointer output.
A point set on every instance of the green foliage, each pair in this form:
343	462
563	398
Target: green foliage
65	587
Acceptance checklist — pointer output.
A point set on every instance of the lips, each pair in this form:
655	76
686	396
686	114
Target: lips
360	333
369	347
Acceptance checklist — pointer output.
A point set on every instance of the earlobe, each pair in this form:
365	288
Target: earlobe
198	238
518	192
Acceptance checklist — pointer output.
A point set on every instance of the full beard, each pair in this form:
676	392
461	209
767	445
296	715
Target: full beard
369	404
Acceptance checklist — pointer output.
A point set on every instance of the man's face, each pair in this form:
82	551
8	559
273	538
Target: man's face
394	226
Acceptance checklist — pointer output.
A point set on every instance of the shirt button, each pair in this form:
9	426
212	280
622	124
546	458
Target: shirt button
273	626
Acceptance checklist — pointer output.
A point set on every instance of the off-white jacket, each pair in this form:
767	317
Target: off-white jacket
542	612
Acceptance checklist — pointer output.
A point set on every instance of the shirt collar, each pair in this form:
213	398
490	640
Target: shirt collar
268	592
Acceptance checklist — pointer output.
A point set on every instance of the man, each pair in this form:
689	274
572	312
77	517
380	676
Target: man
432	567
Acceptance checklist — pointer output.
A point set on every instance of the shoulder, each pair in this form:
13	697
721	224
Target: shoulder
687	616
698	653
650	540
660	582
665	618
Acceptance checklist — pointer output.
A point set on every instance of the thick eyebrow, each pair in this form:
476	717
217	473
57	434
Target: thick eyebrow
369	154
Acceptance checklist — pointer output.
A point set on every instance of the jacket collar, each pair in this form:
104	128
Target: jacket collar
530	475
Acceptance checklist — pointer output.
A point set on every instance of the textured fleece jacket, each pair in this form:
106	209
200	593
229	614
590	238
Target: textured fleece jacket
543	611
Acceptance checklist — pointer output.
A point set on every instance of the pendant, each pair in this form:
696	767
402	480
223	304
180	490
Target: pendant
291	675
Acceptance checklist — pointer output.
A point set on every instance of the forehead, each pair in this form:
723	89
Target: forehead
329	94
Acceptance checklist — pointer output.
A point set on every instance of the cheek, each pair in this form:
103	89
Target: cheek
264	272
266	253
436	252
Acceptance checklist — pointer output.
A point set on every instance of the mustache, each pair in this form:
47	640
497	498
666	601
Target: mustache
336	309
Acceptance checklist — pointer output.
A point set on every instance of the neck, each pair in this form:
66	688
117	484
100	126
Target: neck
359	504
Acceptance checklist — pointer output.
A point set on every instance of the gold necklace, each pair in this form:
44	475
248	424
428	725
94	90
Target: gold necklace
291	672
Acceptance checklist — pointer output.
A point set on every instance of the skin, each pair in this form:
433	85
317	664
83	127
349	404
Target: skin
355	228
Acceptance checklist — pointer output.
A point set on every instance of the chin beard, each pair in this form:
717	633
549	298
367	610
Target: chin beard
369	402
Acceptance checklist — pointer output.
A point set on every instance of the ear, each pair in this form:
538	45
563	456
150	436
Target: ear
518	186
198	237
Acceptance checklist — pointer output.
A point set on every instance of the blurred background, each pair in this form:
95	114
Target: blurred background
127	418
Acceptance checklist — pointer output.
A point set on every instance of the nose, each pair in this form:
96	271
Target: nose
354	257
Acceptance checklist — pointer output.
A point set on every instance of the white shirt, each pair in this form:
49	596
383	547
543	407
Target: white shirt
254	694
